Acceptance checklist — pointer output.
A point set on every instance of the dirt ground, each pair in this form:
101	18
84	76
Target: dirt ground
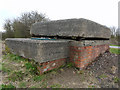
102	73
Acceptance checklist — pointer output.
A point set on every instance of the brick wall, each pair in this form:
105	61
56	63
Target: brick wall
47	66
82	56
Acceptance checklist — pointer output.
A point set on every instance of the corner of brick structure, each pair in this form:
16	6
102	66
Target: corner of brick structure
82	55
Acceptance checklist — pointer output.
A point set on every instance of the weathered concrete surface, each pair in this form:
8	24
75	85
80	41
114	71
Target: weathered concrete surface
83	43
70	27
39	50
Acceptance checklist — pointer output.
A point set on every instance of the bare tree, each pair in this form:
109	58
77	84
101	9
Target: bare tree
20	27
113	31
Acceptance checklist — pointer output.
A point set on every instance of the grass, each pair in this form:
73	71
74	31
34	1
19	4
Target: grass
55	86
91	86
80	72
103	76
16	76
39	78
5	87
115	50
19	73
29	64
4	69
116	79
69	65
22	85
114	45
32	67
13	57
0	67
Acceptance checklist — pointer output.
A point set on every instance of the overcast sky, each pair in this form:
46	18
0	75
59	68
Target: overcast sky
104	12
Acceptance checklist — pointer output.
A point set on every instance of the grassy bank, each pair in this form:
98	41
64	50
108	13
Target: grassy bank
114	45
115	50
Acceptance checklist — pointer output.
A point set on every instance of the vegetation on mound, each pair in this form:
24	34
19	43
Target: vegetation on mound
115	50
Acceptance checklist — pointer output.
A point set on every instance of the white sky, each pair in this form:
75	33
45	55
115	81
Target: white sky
104	12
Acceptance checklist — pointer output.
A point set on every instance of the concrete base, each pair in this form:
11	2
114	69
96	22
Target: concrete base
51	54
39	50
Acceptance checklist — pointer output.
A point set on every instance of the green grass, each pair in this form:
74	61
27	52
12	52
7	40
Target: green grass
22	85
16	76
5	87
38	78
0	66
69	65
80	72
32	67
4	69
55	86
114	45
91	86
29	64
13	57
116	79
103	76
115	50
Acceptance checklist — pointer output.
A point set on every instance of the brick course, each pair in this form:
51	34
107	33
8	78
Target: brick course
47	66
82	56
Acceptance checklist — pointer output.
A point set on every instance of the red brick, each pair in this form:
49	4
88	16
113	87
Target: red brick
43	68
84	55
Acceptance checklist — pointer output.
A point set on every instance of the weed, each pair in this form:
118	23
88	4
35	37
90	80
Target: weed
4	57
7	86
54	72
22	85
16	76
69	65
39	78
44	84
103	76
116	79
4	69
33	87
91	86
55	86
80	71
32	68
14	57
7	50
0	67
